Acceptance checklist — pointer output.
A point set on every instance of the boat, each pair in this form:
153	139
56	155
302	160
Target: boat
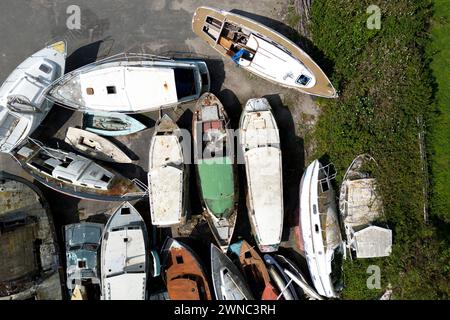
215	167
282	281
111	124
124	258
94	146
254	270
294	273
82	242
320	229
131	83
228	282
23	106
167	175
75	175
184	275
361	207
261	51
260	145
29	251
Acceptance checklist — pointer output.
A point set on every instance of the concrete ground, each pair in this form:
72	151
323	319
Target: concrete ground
151	26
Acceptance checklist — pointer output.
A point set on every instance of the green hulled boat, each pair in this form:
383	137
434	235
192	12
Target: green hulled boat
215	167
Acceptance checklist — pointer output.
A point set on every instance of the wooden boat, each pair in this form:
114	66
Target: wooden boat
75	175
320	230
260	145
167	175
229	284
184	275
361	206
82	241
29	252
131	83
294	273
282	281
215	167
124	259
254	270
261	50
95	146
22	95
111	124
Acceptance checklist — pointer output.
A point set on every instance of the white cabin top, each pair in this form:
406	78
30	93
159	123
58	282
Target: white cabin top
271	61
128	286
166	180
131	88
265	183
373	241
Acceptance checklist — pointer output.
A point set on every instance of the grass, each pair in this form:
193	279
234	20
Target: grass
439	138
385	85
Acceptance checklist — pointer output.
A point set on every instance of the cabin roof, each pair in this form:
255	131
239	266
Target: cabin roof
363	204
217	184
129	286
128	88
372	242
259	129
264	178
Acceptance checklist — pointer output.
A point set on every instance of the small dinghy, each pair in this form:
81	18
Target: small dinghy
111	124
167	175
229	284
131	83
75	175
361	206
283	282
215	167
254	270
95	146
124	259
260	144
320	230
22	96
184	275
262	51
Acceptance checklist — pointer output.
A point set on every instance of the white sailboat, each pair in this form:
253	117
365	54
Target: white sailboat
320	230
131	83
124	259
167	175
260	144
22	96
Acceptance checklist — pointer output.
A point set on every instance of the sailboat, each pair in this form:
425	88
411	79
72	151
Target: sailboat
215	167
254	270
167	175
261	51
320	230
22	96
124	258
111	124
229	284
75	175
95	146
131	83
360	205
260	145
184	275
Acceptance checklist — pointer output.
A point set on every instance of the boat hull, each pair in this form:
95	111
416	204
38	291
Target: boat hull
322	86
128	125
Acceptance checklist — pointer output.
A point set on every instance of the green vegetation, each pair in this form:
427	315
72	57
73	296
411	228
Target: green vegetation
385	87
439	141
